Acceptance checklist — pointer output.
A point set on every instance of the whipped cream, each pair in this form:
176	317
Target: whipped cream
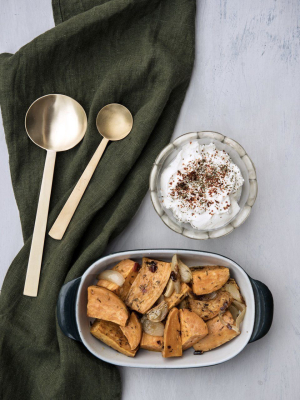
202	186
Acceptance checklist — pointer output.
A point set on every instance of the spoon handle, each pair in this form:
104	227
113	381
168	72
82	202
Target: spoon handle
62	221
38	238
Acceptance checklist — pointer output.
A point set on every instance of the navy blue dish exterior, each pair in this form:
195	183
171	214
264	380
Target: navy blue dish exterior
66	309
264	309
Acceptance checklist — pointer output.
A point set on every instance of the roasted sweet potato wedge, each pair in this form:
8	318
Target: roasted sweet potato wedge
111	334
148	285
232	287
172	337
152	343
176	298
104	304
129	270
218	334
193	328
123	291
209	279
133	331
207	309
108	285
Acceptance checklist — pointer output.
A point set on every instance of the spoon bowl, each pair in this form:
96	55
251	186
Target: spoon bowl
114	122
55	122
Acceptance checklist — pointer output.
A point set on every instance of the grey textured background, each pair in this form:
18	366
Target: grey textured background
246	85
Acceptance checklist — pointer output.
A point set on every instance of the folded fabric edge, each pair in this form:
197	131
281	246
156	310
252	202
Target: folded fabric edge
57	12
3	57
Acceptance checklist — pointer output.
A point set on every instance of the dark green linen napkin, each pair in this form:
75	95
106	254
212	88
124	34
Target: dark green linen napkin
135	52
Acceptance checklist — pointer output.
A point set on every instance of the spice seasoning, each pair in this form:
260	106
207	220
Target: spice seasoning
201	182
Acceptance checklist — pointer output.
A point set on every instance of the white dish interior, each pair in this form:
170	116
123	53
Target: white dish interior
147	359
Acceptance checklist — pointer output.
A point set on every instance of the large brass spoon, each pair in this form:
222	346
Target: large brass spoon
55	123
114	122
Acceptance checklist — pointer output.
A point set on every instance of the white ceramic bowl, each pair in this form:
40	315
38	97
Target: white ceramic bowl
238	156
72	318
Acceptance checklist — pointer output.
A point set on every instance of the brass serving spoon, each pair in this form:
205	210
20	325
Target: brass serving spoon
114	122
55	123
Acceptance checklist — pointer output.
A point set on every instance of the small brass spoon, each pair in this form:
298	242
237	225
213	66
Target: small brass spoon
114	122
55	123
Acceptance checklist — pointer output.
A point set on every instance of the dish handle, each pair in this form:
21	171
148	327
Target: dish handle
264	307
65	311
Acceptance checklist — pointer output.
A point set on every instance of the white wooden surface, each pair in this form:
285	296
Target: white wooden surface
246	84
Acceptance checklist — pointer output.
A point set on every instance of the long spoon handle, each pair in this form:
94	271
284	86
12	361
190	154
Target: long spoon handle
38	238
62	221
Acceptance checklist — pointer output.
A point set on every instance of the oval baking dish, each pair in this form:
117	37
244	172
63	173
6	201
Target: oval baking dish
73	321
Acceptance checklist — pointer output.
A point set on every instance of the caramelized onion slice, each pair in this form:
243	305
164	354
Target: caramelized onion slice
233	311
185	272
169	289
175	275
158	313
177	286
242	308
153	328
240	317
112	276
232	287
